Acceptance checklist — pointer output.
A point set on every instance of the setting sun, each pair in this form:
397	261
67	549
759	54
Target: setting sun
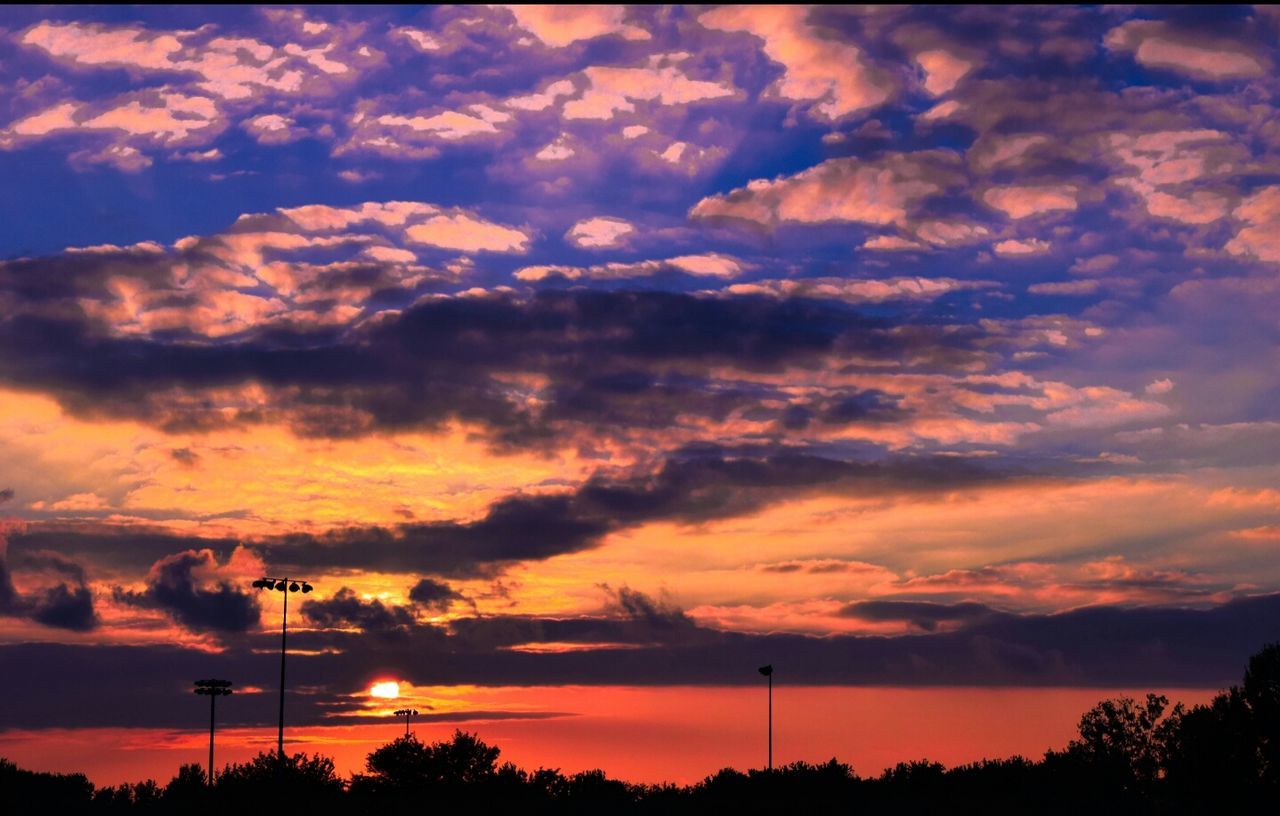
388	691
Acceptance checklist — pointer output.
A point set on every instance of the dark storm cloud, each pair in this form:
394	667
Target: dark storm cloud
923	615
632	618
434	596
693	485
173	588
610	358
1142	646
149	685
65	607
637	606
346	610
697	484
133	547
66	603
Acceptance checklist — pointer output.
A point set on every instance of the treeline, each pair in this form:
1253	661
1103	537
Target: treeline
1129	756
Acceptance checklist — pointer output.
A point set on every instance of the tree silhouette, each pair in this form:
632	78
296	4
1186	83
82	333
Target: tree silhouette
407	764
1226	753
1122	743
1262	695
55	793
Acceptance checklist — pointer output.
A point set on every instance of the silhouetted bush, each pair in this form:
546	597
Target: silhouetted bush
269	782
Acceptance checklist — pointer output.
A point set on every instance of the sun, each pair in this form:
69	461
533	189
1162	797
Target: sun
389	690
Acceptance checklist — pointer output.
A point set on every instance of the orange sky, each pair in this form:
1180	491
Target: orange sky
678	734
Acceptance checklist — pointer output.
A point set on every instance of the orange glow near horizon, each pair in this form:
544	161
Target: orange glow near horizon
639	734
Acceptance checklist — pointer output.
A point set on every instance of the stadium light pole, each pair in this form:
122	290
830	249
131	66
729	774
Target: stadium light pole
213	689
767	671
406	713
285	585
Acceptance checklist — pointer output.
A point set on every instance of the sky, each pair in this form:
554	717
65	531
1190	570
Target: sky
585	359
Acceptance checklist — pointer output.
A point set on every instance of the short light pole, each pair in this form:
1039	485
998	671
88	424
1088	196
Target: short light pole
285	585
213	689
406	713
767	671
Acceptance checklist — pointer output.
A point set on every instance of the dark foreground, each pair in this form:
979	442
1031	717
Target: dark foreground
1130	756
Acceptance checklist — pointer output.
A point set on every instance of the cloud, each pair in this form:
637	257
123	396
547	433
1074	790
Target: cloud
711	264
696	487
272	128
58	117
132	122
834	76
434	596
467	233
891	243
170	121
347	610
312	265
559	26
637	606
599	233
419	39
1193	52
533	368
852	290
1260	236
1023	202
1076	287
943	70
90	44
613	90
191	587
213	79
1200	207
61	601
880	192
1014	247
231	68
951	233
926	616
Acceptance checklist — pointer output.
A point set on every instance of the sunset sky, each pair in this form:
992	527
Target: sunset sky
585	359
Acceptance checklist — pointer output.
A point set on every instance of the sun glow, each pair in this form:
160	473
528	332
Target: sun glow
388	691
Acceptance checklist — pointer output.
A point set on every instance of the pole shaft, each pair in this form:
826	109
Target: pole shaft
771	722
284	629
212	699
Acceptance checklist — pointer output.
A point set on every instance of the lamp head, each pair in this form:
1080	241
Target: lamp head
766	670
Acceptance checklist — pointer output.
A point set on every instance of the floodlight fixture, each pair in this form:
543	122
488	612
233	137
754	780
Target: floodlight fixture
407	713
285	586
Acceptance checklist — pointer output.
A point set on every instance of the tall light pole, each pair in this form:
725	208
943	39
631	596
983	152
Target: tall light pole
767	671
285	585
213	689
406	713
